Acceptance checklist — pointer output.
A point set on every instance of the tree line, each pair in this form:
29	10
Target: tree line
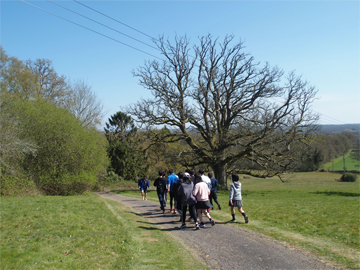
325	148
49	141
212	107
147	155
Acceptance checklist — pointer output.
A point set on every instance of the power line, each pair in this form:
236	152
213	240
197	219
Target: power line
102	24
90	30
329	119
116	20
154	39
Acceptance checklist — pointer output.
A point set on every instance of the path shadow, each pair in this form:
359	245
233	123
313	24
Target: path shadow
160	229
143	206
161	222
232	222
336	193
129	200
152	215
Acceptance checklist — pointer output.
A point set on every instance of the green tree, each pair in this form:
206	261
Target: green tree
31	80
164	154
16	78
127	157
225	106
70	159
13	147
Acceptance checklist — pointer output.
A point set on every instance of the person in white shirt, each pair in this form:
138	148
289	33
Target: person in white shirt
205	178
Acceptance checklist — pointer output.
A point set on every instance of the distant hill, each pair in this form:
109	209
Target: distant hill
336	129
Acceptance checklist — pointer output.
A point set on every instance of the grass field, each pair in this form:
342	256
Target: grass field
310	210
83	232
351	164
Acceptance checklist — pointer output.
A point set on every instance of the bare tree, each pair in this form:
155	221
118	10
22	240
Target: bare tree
50	85
85	105
225	106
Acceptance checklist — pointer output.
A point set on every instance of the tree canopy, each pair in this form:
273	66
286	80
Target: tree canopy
37	79
126	154
69	158
43	140
225	106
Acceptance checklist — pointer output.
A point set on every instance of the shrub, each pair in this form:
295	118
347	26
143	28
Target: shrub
348	177
70	158
17	185
111	176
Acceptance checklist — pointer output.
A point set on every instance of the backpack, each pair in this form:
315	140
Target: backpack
160	186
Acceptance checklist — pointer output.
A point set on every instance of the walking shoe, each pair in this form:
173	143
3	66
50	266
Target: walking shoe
175	211
163	211
212	222
183	226
202	225
233	220
171	209
197	227
219	207
246	219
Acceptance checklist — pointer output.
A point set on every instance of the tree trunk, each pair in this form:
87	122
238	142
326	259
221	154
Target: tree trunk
220	174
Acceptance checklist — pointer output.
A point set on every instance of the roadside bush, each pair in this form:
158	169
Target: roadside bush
111	176
110	181
348	177
70	158
17	185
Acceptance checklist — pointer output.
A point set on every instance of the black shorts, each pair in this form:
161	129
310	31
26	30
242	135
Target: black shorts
203	205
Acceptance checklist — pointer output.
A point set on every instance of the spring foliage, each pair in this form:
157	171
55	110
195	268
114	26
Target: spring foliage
69	158
126	154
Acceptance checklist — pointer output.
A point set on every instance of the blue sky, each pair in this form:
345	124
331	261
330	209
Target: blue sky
317	39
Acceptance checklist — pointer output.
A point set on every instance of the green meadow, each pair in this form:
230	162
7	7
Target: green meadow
311	211
351	163
83	232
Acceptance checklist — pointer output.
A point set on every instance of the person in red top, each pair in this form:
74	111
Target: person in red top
201	192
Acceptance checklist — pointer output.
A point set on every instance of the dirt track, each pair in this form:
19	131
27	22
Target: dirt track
223	246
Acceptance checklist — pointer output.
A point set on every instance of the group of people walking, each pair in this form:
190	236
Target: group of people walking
193	192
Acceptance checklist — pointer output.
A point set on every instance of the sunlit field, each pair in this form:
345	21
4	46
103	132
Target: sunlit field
310	210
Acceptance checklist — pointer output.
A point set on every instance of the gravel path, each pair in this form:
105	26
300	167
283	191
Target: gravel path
223	246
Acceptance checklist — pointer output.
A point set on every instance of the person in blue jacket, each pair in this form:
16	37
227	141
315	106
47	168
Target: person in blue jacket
213	190
172	178
143	184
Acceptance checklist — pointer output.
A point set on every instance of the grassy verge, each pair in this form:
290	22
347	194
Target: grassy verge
351	163
83	232
310	210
